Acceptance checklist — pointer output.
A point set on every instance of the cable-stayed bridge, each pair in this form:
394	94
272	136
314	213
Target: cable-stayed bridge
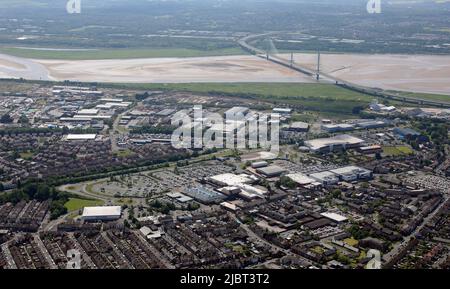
271	54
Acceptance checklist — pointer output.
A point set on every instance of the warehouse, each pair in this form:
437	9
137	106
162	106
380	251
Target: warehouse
372	124
107	213
204	195
81	137
339	142
236	113
326	178
352	173
299	126
334	217
88	112
261	164
301	179
230	179
271	171
338	127
285	111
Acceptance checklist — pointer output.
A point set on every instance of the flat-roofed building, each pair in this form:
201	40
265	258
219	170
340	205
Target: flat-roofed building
339	142
261	164
282	110
299	126
326	178
334	217
81	137
338	127
301	179
229	179
88	111
370	149
106	213
271	171
236	112
352	173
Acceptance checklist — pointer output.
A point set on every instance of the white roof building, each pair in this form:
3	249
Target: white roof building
334	217
230	179
106	213
88	111
328	144
81	136
326	178
301	179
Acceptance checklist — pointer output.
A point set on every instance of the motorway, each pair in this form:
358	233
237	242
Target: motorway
327	78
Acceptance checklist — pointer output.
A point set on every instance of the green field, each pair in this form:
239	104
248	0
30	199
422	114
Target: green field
117	53
75	204
429	96
397	150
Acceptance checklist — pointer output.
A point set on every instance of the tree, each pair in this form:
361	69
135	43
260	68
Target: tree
24	119
6	118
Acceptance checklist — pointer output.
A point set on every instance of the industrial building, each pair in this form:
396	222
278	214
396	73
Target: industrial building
107	213
334	217
372	124
257	165
230	179
204	195
338	127
283	111
299	126
234	113
372	149
81	137
352	173
325	178
271	171
302	179
331	144
404	133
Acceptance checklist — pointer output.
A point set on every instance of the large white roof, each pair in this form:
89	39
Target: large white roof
230	179
334	217
101	211
301	179
81	136
342	139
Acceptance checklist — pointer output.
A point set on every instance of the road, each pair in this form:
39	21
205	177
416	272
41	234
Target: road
328	78
397	248
274	247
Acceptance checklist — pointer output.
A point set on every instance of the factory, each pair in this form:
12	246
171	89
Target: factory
372	124
339	142
236	112
298	126
107	213
334	217
303	180
261	164
352	173
231	180
282	111
326	178
378	107
204	195
81	137
271	171
331	128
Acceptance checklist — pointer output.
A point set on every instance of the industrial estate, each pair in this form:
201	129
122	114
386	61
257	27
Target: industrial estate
91	178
